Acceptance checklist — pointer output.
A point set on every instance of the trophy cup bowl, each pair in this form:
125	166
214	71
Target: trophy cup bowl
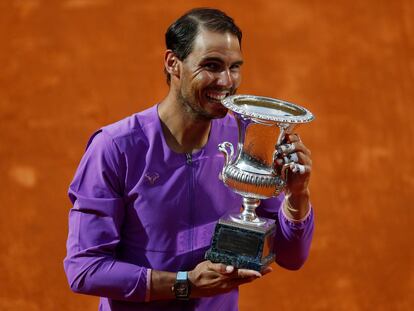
245	240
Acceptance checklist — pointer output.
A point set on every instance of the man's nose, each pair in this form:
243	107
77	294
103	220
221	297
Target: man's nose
225	79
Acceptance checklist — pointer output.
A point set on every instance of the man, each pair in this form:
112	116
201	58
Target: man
146	195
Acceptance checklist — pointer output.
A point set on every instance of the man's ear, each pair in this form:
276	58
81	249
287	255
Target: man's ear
172	64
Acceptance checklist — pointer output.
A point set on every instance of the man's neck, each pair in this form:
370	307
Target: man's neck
183	133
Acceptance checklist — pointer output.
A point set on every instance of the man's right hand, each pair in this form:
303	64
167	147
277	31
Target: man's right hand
209	279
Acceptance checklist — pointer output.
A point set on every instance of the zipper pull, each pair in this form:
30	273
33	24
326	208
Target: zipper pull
189	158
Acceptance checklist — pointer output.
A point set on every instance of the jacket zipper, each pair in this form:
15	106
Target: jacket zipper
189	160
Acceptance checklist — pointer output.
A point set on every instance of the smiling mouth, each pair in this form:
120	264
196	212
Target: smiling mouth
217	96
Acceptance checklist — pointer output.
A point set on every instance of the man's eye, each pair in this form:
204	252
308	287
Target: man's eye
212	66
235	68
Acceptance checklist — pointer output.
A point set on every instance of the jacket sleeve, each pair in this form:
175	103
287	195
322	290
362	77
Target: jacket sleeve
293	239
95	222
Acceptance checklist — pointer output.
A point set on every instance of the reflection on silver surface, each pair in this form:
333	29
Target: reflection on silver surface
249	171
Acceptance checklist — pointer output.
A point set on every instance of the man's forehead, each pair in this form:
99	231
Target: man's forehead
209	41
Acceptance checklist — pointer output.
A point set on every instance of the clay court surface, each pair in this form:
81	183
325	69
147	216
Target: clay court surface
69	67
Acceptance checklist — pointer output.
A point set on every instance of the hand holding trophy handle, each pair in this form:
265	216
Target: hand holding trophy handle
285	129
289	161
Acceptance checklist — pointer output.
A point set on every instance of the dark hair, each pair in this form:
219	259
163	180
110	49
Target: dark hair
181	34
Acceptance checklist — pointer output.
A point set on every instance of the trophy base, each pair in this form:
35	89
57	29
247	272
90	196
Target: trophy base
243	245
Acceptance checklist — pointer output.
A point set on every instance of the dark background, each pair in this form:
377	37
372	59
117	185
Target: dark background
69	67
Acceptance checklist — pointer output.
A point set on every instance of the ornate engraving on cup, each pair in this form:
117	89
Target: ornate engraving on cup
262	124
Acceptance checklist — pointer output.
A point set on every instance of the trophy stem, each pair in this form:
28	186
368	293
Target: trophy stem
248	216
249	209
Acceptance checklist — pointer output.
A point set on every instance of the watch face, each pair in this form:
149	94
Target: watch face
181	290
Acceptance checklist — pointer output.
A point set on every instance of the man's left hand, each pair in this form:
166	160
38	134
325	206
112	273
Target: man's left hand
294	161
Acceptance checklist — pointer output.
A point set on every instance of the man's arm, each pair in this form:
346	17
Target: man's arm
296	205
292	209
95	222
94	233
206	279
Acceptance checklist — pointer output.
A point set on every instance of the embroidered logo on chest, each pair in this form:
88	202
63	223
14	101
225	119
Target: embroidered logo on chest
152	177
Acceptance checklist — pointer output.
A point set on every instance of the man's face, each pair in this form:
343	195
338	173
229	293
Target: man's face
210	73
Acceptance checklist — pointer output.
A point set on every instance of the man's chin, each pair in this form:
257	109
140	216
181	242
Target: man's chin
222	114
219	113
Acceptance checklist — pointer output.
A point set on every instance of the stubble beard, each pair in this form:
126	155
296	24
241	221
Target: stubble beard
195	111
192	110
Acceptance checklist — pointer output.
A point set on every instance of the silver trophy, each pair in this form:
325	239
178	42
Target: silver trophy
245	240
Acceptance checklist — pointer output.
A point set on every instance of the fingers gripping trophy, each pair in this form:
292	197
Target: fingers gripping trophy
256	170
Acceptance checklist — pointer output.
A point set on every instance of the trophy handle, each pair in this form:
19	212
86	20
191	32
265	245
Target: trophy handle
285	128
228	156
284	172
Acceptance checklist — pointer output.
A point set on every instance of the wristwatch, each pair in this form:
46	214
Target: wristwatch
182	287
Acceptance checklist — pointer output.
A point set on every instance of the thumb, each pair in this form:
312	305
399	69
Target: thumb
220	268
